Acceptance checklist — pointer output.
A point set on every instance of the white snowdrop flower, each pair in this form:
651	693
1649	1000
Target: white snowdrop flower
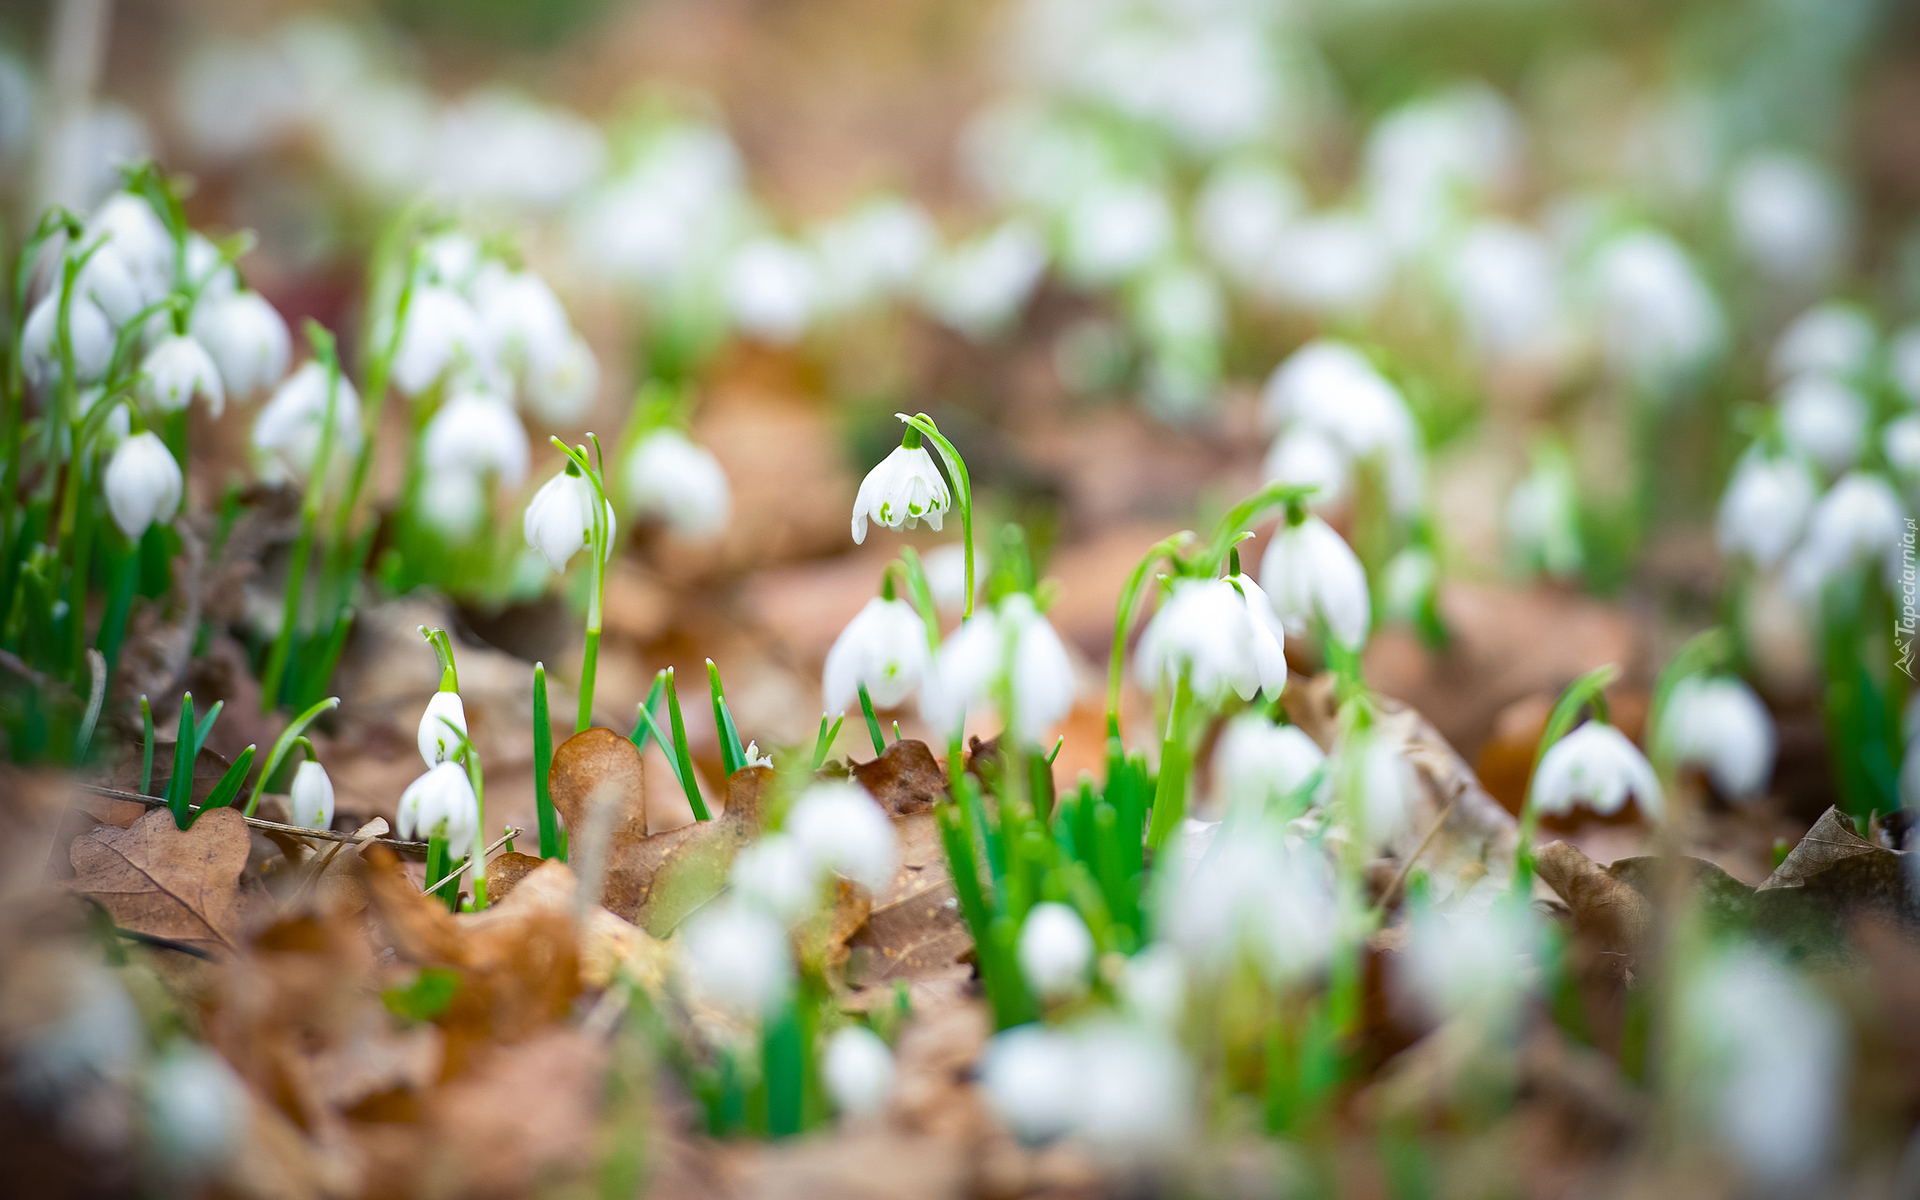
143	484
1763	1061
1409	581
1031	1076
1828	339
560	386
772	288
520	316
195	1110
873	252
442	726
1013	646
442	332
738	958
88	331
288	431
1660	322
1824	419
1789	216
140	239
1055	951
1307	457
858	1071
1250	895
842	828
1765	508
559	520
1153	986
1543	518
1113	231
311	796
1903	363
754	758
473	433
884	647
208	269
1241	213
1859	521
1135	1087
176	370
904	489
1468	963
450	259
946	569
1312	575
1330	387
1900	442
778	875
1220	635
980	285
247	338
452	502
1721	726
1330	263
441	803
1257	764
669	477
1597	766
105	280
1374	769
1504	279
1425	158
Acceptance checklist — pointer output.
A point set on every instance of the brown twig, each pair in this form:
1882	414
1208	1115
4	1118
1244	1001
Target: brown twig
361	836
466	862
416	850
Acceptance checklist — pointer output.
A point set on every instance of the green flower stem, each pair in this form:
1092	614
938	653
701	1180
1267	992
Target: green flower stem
873	722
270	680
962	487
549	819
1588	689
471	758
1227	534
589	667
598	545
1708	650
784	1055
283	746
1170	796
1168	548
438	870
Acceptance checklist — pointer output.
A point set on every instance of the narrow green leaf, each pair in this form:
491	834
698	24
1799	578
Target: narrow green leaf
543	763
229	785
873	722
682	755
146	747
733	755
643	729
205	726
180	783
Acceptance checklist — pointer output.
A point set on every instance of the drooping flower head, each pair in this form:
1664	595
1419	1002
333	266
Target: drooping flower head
559	520
1596	766
904	490
884	647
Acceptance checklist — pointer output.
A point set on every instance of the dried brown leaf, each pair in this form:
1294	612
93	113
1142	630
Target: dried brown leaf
914	932
656	881
155	878
1604	907
905	779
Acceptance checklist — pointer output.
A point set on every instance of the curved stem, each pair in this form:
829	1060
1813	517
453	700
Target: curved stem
1588	689
963	492
1123	618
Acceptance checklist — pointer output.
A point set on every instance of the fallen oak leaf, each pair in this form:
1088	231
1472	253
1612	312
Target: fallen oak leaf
157	879
905	778
1607	908
914	931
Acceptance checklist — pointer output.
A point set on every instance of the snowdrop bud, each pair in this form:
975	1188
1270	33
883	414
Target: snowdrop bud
980	285
288	431
1903	361
1597	766
1312	574
1763	1060
884	647
105	280
441	803
1859	521
560	387
1824	419
671	478
1257	764
195	1109
1660	321
143	484
176	370
438	742
777	874
1900	442
442	331
1221	635
1153	986
139	239
1031	1075
842	828
1765	508
738	958
858	1071
1136	1101
473	433
559	519
1333	264
1114	230
1055	951
1306	457
520	316
87	329
1830	339
1012	646
1720	726
247	339
772	288
452	502
1788	216
1467	963
312	795
903	490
